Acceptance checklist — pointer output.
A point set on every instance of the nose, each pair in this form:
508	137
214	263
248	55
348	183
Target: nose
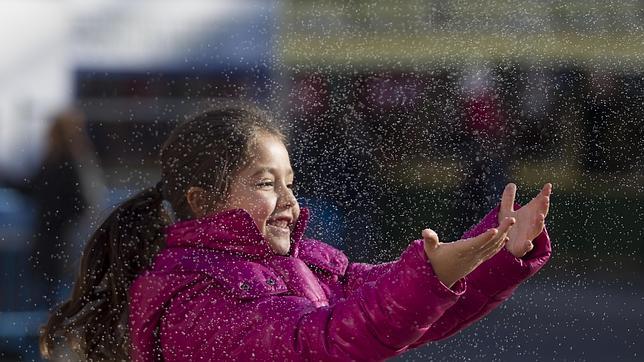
286	198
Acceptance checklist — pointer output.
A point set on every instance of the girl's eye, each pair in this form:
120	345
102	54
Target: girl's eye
265	184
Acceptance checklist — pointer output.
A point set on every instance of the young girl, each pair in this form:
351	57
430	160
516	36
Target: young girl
223	272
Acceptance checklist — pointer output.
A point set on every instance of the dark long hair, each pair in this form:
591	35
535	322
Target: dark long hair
204	151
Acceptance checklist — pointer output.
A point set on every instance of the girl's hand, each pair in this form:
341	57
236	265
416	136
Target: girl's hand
530	218
453	261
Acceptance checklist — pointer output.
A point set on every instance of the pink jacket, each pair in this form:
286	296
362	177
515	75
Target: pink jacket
218	293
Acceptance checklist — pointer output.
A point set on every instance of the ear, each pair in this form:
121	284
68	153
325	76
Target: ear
198	201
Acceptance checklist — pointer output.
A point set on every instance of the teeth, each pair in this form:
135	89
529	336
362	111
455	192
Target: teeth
279	223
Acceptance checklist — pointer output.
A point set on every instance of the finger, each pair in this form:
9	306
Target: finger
540	222
493	251
506	224
431	238
546	206
507	199
495	246
481	240
500	238
529	247
504	243
540	203
494	235
546	190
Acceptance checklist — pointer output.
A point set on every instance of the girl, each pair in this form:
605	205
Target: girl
223	272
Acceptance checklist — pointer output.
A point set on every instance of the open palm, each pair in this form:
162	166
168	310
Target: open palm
530	218
452	261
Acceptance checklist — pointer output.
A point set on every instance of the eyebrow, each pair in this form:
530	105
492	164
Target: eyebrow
270	170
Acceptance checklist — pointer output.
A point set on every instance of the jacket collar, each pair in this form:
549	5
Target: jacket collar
232	230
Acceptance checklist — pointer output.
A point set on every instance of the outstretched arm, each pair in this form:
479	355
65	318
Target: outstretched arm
450	261
526	252
377	321
358	274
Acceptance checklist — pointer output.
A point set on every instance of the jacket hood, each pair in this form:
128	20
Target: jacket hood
232	230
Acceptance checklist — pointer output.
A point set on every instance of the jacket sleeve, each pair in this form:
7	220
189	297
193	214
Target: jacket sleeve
358	274
379	320
490	284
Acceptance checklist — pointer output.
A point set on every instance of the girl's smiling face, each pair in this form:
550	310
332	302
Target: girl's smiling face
264	188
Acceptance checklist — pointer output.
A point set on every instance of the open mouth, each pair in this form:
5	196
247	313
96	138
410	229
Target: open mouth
280	225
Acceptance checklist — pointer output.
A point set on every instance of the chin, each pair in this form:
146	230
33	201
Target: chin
280	247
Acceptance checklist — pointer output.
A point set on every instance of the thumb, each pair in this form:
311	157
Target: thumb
431	238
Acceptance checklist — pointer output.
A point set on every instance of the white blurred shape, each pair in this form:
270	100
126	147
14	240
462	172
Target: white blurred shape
150	33
35	79
43	42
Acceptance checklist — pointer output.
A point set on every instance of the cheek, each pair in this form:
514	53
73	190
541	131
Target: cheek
262	209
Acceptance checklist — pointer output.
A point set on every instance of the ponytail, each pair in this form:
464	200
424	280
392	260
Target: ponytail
203	151
94	321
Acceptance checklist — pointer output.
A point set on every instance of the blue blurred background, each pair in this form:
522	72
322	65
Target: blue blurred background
401	115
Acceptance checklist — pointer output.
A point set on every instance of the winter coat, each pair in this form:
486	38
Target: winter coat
218	292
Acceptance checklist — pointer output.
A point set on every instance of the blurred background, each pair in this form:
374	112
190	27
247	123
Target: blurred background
401	114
